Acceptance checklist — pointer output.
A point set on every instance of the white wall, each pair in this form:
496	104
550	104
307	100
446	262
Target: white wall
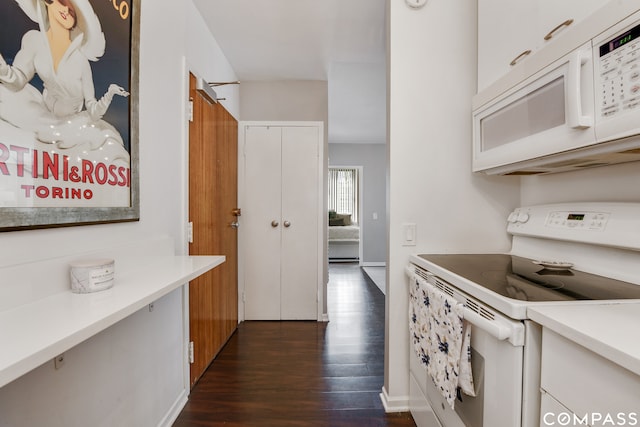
431	79
291	100
617	183
206	60
357	102
134	372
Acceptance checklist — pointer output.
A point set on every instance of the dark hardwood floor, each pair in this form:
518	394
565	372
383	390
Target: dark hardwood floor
302	373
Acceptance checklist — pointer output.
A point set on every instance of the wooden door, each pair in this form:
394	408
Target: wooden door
213	297
262	222
299	265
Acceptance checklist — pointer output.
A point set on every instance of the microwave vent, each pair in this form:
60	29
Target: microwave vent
566	163
605	154
524	173
592	164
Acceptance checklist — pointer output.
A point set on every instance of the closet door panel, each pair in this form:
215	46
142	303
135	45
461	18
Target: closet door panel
262	206
300	199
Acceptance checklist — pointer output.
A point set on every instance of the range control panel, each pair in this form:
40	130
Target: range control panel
600	223
584	220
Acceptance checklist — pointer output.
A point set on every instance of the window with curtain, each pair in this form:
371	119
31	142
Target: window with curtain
343	191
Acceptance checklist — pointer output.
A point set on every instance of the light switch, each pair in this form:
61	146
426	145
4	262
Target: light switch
375	215
409	234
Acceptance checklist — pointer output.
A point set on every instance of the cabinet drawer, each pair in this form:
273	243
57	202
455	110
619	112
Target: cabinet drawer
585	382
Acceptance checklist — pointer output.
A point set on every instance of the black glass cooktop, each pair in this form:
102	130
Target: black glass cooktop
520	278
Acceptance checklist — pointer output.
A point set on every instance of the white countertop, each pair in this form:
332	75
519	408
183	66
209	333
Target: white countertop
610	330
33	333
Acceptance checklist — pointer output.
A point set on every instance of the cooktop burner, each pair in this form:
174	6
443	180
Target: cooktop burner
521	279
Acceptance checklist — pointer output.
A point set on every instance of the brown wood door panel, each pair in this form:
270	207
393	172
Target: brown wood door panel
213	297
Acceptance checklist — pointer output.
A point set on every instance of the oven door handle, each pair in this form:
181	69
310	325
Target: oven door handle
513	333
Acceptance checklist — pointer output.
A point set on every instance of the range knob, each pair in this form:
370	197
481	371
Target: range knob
522	217
513	217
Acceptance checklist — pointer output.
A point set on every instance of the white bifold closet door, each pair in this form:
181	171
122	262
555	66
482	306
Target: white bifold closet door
280	222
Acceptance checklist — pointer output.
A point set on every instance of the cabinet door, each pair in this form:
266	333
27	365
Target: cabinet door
506	28
262	206
300	204
584	381
553	13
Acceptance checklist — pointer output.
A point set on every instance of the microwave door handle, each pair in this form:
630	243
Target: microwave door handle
576	119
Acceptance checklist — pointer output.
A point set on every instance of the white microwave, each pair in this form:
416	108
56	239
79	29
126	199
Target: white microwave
580	111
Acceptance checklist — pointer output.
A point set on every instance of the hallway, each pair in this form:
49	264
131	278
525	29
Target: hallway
302	373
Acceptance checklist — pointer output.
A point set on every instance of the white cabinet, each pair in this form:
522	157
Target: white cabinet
507	29
281	220
578	381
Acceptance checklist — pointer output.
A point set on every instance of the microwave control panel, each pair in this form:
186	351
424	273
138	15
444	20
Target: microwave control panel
620	73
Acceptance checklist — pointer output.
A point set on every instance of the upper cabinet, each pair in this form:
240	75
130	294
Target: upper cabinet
509	31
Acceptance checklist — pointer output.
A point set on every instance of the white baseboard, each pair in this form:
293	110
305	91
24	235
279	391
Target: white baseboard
172	415
373	264
394	404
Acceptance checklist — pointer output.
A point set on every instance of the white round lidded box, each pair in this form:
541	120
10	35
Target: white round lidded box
91	275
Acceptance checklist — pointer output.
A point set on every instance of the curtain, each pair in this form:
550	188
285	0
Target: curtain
343	191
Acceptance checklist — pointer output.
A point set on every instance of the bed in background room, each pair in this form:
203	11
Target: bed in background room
344	238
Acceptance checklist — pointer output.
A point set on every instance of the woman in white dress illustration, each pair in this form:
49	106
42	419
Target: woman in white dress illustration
66	112
63	122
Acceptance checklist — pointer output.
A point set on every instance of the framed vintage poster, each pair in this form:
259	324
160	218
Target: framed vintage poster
68	112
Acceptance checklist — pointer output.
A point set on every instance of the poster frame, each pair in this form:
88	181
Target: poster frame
28	218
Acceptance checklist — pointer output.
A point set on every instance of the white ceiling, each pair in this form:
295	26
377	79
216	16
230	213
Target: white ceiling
340	41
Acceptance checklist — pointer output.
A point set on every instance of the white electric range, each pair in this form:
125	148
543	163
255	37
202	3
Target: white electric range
578	253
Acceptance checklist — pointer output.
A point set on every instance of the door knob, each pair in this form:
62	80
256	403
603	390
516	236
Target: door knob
274	223
235	224
286	224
